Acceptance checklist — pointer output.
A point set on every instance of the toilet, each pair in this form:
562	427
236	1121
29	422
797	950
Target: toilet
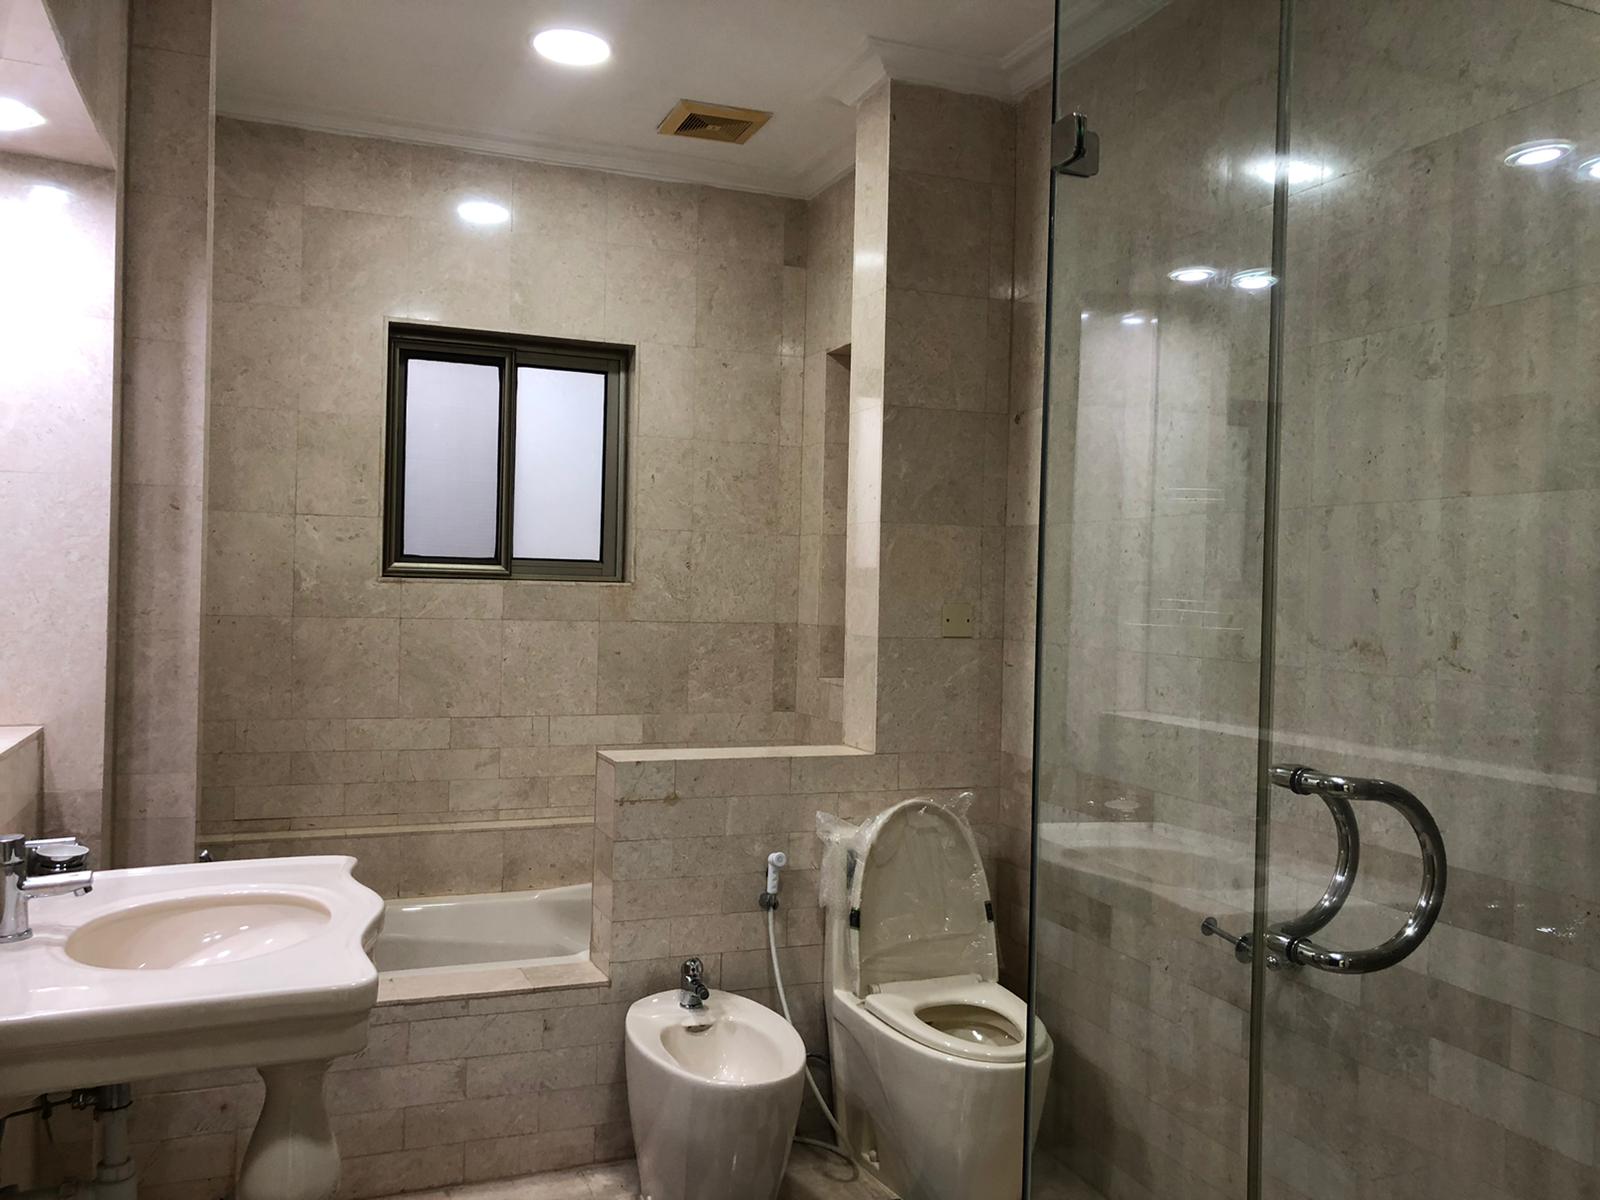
929	1050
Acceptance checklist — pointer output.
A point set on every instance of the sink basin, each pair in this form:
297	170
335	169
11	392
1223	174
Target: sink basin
713	1094
199	967
165	970
197	931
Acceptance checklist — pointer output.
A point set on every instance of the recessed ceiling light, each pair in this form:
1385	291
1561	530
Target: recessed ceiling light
572	47
1537	154
483	212
1192	274
1590	168
15	115
1134	318
1254	281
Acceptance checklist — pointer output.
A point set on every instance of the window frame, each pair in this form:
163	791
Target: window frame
508	352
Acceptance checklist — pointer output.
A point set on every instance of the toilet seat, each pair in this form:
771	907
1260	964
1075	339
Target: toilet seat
898	1005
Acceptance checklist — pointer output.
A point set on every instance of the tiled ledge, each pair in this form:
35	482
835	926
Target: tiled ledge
694	754
470	982
14	737
343	833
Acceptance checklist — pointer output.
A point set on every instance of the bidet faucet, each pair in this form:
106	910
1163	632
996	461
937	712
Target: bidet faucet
692	989
46	867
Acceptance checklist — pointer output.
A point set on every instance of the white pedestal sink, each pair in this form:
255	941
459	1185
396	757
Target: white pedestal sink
168	970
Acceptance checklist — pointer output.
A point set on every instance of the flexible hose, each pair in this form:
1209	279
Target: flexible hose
843	1147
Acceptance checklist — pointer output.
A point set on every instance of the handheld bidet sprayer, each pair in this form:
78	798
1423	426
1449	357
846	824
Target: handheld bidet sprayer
776	862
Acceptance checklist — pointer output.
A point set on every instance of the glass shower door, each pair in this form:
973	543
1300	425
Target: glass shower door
1150	601
1438	596
1324	380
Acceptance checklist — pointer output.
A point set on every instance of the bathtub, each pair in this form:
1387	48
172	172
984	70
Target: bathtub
507	929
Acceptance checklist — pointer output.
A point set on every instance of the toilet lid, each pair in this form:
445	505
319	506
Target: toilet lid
919	900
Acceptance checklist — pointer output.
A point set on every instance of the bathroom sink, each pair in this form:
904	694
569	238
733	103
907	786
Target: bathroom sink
197	931
165	970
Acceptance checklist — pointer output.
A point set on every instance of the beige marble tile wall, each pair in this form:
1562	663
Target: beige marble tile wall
57	400
166	314
336	698
1023	459
825	441
930	373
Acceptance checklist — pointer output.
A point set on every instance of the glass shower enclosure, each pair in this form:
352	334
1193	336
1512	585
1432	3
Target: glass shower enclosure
1316	909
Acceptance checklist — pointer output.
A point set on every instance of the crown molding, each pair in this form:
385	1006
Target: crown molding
1031	63
673	168
1094	24
1006	78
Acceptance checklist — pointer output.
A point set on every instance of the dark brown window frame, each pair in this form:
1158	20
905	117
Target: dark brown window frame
508	351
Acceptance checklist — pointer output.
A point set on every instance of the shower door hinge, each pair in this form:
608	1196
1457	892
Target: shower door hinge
1074	147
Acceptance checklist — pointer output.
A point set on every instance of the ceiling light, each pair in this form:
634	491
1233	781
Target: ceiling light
1537	154
483	212
48	195
15	115
1297	171
1192	274
1590	168
572	47
1134	318
1254	281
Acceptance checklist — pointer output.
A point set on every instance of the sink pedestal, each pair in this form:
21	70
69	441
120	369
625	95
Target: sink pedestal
292	1155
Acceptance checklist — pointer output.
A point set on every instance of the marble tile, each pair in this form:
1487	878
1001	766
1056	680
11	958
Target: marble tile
450	667
643	667
650	295
346	666
548	667
257	251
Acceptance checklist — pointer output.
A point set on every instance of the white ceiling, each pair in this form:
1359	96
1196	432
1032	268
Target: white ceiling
460	72
33	71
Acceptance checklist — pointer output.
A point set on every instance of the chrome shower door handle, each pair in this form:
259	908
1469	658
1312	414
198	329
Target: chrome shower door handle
1287	933
1292	940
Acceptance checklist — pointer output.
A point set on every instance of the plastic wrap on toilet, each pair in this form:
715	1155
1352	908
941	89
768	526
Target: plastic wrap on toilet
912	884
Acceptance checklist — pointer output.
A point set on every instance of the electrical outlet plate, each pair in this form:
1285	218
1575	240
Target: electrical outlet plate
958	620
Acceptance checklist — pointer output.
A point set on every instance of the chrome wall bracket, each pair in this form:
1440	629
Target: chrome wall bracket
1290	941
1074	147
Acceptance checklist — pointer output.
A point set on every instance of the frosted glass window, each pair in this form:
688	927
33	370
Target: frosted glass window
560	472
505	456
452	459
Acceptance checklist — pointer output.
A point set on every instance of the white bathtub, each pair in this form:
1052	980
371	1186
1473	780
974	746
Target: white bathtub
510	929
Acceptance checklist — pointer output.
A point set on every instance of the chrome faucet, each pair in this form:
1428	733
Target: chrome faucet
692	989
46	867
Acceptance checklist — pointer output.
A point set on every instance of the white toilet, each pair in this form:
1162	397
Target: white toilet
929	1051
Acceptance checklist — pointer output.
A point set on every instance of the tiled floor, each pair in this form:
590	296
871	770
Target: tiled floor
812	1176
